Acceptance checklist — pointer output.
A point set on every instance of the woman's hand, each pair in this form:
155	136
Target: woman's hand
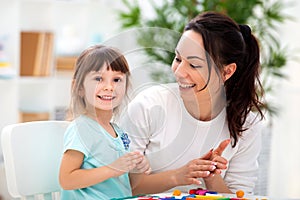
216	156
197	168
214	181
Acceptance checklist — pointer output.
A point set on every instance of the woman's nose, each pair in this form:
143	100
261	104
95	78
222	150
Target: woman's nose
181	69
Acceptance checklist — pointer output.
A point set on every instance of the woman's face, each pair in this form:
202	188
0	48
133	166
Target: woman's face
104	89
190	65
192	72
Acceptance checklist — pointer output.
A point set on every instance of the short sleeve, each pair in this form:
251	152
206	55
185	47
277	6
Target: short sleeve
72	140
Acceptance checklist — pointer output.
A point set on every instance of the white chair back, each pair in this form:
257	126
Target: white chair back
32	152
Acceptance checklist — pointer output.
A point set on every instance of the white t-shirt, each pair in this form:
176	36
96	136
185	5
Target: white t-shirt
159	125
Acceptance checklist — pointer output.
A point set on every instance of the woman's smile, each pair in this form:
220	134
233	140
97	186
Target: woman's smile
186	85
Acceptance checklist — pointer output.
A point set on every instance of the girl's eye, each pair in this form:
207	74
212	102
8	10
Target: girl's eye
98	78
117	80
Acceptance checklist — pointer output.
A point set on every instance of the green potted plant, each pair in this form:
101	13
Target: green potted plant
264	17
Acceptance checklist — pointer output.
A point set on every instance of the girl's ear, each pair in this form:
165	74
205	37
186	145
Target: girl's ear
80	91
228	71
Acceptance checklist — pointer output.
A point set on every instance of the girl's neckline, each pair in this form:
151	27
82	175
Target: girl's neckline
102	128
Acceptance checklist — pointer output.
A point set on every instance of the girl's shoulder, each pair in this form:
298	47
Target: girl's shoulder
82	123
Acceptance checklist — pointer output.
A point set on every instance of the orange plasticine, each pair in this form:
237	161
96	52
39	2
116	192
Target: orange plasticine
240	194
176	192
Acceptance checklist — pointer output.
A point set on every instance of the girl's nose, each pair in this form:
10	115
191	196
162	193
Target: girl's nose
108	86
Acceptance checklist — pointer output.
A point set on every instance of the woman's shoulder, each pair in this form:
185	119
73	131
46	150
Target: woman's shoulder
254	125
254	119
156	92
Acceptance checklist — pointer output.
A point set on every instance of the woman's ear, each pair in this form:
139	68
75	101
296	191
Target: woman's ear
228	71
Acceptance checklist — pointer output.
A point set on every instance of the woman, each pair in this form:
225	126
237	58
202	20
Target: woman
184	129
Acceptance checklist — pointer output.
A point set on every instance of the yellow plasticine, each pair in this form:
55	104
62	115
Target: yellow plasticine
208	197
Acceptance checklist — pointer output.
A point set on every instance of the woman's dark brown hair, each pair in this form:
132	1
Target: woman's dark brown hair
227	42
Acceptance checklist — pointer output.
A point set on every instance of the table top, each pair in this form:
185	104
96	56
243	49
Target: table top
166	196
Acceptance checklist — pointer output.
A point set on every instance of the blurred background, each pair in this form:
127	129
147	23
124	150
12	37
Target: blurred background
40	40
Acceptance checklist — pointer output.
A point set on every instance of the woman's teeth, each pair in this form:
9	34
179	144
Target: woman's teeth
186	85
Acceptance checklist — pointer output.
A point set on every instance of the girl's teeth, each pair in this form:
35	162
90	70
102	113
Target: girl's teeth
106	97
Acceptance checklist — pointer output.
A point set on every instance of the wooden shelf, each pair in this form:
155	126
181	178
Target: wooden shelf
33	116
65	63
36	53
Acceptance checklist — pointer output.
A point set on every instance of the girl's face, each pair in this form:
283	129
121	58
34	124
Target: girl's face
104	89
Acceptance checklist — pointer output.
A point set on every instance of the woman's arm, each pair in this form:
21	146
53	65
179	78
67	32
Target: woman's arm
215	181
162	181
243	168
153	183
241	173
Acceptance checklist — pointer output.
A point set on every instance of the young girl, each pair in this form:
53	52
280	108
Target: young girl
96	158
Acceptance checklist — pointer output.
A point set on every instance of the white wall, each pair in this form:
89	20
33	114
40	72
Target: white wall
285	161
284	169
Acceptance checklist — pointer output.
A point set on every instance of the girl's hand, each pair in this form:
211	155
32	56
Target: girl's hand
143	166
197	168
126	163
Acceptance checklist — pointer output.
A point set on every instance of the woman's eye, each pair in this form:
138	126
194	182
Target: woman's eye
195	66
177	59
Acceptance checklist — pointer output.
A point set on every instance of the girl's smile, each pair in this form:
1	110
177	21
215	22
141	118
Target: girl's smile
105	89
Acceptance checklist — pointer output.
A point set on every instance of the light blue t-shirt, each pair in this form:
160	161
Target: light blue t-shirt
99	148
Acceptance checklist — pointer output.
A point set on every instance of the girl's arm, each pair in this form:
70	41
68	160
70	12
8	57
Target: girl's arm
73	177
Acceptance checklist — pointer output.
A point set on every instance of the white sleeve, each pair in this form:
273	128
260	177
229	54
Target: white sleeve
243	167
135	121
143	120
